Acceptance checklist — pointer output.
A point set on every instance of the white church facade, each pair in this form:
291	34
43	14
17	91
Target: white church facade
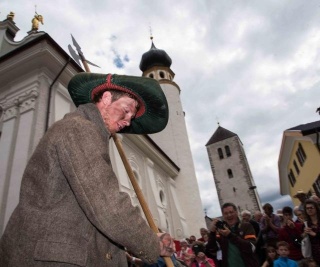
34	74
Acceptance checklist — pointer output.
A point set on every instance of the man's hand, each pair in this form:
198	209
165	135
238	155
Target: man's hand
166	244
213	227
225	231
291	224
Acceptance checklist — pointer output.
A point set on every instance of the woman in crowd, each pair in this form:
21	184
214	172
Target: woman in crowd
312	214
271	257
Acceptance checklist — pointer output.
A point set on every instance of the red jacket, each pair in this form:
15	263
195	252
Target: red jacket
289	234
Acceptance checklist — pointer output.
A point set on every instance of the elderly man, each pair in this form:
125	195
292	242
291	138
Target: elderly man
70	210
237	239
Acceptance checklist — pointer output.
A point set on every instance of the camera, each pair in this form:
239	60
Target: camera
220	224
196	248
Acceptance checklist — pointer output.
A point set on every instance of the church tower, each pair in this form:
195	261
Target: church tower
231	171
174	141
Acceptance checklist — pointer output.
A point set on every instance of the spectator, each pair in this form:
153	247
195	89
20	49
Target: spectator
70	210
257	216
312	212
291	233
315	198
246	217
200	259
299	214
191	240
272	255
269	226
185	253
302	197
237	240
283	252
203	231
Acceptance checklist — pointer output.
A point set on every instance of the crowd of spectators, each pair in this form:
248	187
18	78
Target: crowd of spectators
261	238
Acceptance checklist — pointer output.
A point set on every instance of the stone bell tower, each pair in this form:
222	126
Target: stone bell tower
231	171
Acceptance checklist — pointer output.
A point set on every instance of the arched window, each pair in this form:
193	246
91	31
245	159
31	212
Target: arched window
161	74
230	174
220	153
151	75
162	197
228	153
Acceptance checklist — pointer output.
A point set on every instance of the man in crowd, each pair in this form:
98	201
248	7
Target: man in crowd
71	211
260	252
237	239
257	216
291	233
270	225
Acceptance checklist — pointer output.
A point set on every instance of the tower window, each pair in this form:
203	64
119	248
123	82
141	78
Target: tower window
230	174
228	153
151	75
220	153
161	73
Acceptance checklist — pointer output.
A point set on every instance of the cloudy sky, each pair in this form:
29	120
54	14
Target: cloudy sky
254	66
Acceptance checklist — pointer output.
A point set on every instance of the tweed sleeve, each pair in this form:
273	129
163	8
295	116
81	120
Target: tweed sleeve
84	159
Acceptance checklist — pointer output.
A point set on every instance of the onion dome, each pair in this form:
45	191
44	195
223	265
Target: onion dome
154	57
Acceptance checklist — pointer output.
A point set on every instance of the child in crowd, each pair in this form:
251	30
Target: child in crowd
271	257
283	260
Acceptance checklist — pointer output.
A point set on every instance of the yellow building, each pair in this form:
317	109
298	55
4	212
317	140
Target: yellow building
299	160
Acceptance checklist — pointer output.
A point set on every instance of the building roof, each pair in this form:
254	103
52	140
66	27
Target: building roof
219	135
307	128
154	57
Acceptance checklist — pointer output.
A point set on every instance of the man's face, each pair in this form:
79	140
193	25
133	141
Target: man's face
230	216
246	217
287	217
257	216
203	232
283	251
118	114
268	211
192	239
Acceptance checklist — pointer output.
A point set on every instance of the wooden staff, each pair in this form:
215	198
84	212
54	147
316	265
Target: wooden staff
138	192
133	180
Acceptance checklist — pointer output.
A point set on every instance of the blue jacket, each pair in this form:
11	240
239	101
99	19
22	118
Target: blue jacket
284	262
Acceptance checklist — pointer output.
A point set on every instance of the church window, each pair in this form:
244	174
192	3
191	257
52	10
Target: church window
162	197
151	75
228	153
292	178
230	174
220	153
161	74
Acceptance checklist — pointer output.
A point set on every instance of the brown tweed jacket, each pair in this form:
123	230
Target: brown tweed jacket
71	212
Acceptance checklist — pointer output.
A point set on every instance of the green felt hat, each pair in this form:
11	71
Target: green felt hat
153	113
